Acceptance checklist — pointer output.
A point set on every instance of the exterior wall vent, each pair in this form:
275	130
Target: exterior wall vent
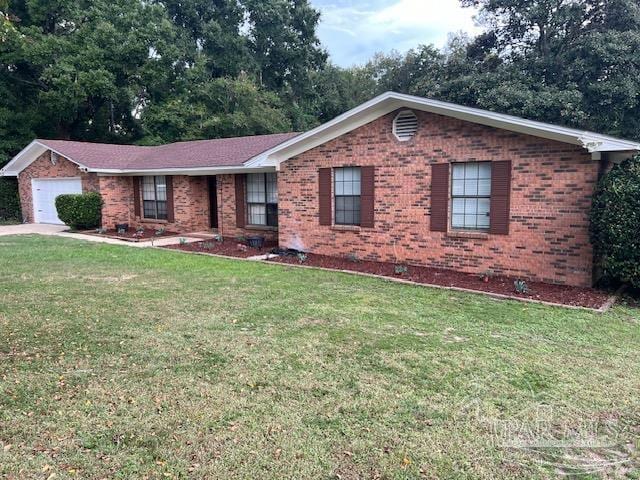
405	125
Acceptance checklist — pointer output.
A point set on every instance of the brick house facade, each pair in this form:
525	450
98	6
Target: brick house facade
551	190
526	185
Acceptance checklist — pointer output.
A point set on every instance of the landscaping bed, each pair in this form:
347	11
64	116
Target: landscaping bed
566	295
132	235
231	247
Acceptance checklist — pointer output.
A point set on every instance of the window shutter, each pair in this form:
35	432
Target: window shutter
367	197
136	196
170	215
324	192
439	197
240	213
500	197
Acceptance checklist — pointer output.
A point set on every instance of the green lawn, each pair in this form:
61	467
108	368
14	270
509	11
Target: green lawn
120	362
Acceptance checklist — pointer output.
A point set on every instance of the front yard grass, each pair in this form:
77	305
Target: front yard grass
120	362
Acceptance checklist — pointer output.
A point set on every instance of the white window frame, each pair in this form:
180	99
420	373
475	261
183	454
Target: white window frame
465	196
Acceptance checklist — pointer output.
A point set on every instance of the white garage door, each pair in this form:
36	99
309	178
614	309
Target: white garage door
44	193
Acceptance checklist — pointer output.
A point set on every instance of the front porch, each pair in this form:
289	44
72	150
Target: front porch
208	204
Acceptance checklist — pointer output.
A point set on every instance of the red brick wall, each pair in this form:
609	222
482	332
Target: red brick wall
227	212
191	205
43	168
552	184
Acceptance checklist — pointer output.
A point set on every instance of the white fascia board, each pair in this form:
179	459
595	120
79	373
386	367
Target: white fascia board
391	101
196	171
28	155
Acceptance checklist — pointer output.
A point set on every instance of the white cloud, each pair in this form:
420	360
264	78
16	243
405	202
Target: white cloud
354	30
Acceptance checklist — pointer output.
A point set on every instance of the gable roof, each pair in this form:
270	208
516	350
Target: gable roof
112	158
391	101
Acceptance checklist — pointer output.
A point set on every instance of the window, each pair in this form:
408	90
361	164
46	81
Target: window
347	197
470	195
154	197
262	199
405	125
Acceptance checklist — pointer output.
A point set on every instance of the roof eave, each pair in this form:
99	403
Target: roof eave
30	154
390	101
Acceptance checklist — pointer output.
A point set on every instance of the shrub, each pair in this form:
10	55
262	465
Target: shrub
9	200
80	211
615	223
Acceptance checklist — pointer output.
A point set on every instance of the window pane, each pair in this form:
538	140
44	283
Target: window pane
272	188
457	187
257	214
457	205
458	171
457	221
484	170
148	188
161	188
255	188
471	186
484	187
162	210
471	171
470	206
484	205
470	221
272	214
149	209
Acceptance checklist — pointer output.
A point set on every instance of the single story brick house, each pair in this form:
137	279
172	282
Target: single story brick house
400	179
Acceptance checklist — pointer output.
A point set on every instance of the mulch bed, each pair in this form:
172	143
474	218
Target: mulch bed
573	296
229	246
132	235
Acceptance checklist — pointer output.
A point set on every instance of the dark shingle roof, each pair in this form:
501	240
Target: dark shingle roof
195	154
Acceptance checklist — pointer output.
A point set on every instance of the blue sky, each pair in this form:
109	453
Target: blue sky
353	30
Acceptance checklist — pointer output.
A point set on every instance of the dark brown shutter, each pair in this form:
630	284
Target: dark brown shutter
136	196
240	213
170	215
324	191
500	197
439	197
367	197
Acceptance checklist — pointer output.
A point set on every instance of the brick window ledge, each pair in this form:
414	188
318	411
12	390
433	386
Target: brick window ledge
264	228
464	234
346	228
152	220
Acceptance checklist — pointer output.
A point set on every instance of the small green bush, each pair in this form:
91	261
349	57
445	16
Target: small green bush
615	223
80	211
9	200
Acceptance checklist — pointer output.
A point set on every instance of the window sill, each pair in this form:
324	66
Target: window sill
463	234
346	228
261	227
152	220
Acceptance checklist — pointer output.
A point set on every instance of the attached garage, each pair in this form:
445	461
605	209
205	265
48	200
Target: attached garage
44	193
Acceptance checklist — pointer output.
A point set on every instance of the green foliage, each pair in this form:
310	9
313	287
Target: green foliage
9	199
80	211
163	71
615	222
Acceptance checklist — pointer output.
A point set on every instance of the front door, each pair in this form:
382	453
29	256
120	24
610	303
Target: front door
213	202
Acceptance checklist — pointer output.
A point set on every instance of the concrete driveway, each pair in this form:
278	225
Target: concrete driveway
39	228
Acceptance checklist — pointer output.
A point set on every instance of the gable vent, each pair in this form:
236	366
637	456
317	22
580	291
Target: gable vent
405	125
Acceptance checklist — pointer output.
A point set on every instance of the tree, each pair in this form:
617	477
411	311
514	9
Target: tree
615	222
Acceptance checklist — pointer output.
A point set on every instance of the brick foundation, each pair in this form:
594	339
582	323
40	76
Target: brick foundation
552	185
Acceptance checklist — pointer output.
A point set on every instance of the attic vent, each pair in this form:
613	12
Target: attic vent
405	125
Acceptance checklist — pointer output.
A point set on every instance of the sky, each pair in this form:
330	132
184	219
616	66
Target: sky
353	30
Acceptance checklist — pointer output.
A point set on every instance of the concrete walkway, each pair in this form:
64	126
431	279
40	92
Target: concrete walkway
59	231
